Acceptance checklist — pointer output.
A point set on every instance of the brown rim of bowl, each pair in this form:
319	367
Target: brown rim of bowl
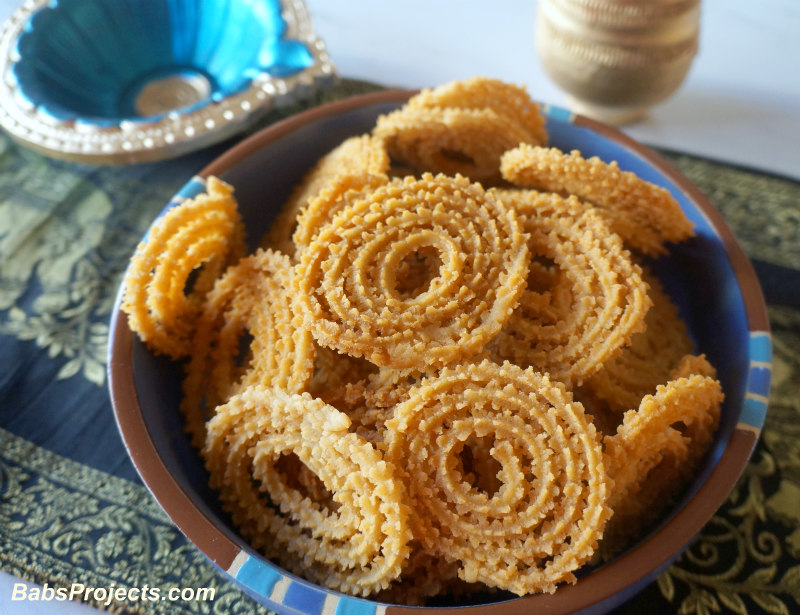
602	584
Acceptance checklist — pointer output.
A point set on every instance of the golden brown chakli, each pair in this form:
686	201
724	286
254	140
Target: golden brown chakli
447	368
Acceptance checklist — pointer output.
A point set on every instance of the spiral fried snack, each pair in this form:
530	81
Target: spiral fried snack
598	300
204	234
646	216
453	141
656	449
359	543
362	154
338	194
544	520
430	388
370	401
353	300
423	576
339	380
334	371
693	365
250	298
389	387
505	99
650	358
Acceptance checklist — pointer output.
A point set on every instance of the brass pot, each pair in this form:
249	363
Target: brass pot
617	58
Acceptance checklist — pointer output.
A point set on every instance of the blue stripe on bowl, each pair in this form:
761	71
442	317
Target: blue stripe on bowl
758	380
559	114
268	581
753	413
756	399
191	189
760	347
195	186
258	576
304	598
353	606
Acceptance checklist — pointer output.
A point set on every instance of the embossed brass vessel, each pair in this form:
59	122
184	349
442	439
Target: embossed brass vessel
617	58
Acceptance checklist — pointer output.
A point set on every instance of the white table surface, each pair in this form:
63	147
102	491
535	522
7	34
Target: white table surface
740	102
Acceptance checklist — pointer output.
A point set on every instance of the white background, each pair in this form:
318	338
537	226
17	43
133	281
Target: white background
739	103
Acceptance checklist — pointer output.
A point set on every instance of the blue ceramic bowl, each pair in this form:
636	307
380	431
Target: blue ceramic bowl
708	276
142	79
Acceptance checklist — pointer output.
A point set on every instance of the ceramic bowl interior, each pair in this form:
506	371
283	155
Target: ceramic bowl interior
103	61
708	276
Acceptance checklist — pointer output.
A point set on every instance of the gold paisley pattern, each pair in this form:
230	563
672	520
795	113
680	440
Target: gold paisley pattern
66	232
762	210
68	523
63	244
748	556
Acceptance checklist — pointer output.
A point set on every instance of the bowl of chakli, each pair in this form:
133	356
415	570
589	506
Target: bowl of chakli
447	348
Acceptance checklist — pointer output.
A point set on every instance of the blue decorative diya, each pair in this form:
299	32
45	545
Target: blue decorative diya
135	80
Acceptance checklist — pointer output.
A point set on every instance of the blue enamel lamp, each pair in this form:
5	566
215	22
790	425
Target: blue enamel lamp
141	80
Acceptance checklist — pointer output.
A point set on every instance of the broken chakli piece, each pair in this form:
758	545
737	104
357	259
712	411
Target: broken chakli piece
437	375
